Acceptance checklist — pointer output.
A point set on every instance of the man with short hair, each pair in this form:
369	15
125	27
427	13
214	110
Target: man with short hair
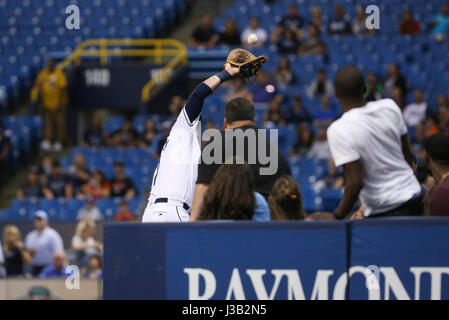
122	185
370	141
42	243
340	25
239	115
205	34
437	159
415	112
58	268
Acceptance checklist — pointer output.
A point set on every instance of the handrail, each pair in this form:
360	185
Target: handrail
157	48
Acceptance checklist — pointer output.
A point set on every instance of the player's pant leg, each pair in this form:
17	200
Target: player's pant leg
161	212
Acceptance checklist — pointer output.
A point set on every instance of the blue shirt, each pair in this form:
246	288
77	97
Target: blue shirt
442	24
262	212
51	272
45	243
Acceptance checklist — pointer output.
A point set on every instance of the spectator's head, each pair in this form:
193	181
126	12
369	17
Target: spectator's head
339	12
56	169
85	229
59	259
284	63
441	100
316	13
98	177
11	235
123	207
407	15
285	200
254	23
360	13
207	20
119	169
94	263
437	154
79	161
150	125
51	64
230	195
322	136
127	125
325	102
350	87
32	179
40	220
292	11
46	164
175	106
230	26
297	102
445	9
89	203
321	75
419	96
238	112
97	122
372	81
397	96
305	135
312	30
393	70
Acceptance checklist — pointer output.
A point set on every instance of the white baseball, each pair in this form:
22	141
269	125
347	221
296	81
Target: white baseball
252	38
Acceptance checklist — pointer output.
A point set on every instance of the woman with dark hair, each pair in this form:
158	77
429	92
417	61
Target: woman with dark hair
285	200
230	196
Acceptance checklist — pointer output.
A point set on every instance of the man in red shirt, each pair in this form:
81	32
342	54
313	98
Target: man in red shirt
437	158
409	25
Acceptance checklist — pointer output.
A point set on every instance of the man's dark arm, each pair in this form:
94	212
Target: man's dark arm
407	151
353	185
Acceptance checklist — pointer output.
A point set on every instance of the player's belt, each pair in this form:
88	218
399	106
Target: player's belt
165	200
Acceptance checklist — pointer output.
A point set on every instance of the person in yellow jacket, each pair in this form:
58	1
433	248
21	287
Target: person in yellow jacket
50	86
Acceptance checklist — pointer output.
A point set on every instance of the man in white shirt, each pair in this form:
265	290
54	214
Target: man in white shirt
42	243
414	113
254	35
370	142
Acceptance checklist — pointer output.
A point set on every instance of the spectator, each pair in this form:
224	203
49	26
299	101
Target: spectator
333	179
325	115
97	187
408	25
230	35
121	185
431	126
175	107
374	88
320	85
42	243
126	136
415	112
398	97
204	35
149	133
124	213
340	25
274	116
238	90
285	200
14	251
317	20
394	79
78	172
264	90
58	184
32	188
58	269
95	136
254	35
286	41
304	141
440	23
90	211
292	21
239	115
84	243
313	45
51	86
437	159
298	113
283	74
359	23
230	195
94	268
45	167
320	147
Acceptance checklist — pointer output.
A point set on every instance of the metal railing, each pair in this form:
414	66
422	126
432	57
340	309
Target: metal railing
159	49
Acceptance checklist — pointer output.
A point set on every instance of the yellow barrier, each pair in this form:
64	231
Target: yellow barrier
156	48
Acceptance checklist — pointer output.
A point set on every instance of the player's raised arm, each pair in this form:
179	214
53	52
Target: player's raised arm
195	102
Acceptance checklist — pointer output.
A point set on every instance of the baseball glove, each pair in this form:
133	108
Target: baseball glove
247	63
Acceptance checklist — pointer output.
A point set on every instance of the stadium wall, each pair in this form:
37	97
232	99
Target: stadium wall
368	259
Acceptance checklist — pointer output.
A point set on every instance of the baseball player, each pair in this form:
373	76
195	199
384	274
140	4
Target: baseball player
175	177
